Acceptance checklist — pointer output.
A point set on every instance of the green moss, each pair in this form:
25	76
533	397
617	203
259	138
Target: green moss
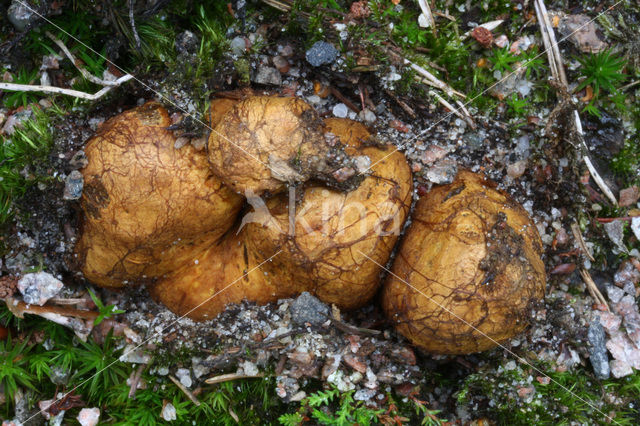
517	396
20	153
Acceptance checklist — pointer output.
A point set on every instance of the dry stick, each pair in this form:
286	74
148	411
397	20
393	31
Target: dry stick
544	15
20	307
557	72
575	229
335	92
426	11
61	91
231	376
76	63
594	173
135	379
467	115
447	105
185	390
593	289
432	80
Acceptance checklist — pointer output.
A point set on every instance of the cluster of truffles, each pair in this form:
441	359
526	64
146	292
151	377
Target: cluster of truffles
282	202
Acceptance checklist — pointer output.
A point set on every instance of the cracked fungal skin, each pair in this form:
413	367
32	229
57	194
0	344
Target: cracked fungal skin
334	230
260	143
147	205
468	271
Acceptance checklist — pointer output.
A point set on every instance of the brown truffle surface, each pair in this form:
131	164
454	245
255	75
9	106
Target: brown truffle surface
146	204
468	271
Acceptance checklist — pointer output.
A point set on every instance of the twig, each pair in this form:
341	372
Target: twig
613	219
402	104
545	24
594	173
629	86
426	11
432	80
132	22
467	116
335	92
76	63
575	229
19	308
231	376
185	390
348	328
593	289
447	105
557	72
61	91
135	379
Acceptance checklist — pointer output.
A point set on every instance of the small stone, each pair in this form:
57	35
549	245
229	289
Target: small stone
581	31
89	416
281	63
614	294
249	368
15	121
340	110
184	375
364	394
73	185
298	396
444	171
186	42
238	45
134	355
501	41
610	321
615	232
168	412
267	75
20	15
367	115
432	154
598	351
517	169
59	376
362	163
627	273
162	371
620	368
629	196
355	362
38	287
343	174
286	50
306	308
635	226
321	53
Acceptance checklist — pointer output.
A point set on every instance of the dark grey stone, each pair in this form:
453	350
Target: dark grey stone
306	308
321	53
268	75
20	15
598	350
